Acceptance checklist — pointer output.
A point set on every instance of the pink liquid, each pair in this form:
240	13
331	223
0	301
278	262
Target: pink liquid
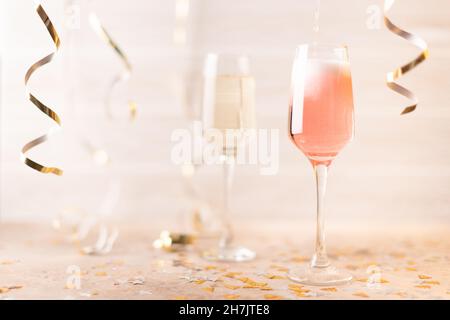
322	124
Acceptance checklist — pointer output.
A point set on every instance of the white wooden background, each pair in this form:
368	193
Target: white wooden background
398	168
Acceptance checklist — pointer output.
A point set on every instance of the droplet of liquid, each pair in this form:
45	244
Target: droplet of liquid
316	27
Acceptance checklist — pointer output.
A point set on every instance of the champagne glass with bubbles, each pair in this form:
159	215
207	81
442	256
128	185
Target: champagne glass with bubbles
228	110
321	124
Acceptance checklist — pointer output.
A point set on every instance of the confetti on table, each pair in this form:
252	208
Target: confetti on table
231	287
272	297
231	296
361	294
432	282
423	286
200	281
424	277
274	277
410	269
332	289
208	289
232	274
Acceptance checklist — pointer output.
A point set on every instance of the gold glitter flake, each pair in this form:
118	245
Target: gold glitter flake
274	277
331	289
423	286
231	287
361	294
431	282
209	289
272	297
410	269
232	274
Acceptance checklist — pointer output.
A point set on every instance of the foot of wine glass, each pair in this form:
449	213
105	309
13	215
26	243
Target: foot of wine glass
226	251
319	272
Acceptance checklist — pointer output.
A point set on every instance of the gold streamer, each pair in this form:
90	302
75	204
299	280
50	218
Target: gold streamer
391	77
49	112
124	76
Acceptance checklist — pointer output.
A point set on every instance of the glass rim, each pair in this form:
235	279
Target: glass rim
324	45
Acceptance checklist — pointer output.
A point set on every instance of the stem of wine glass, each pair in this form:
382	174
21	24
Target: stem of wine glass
320	259
228	172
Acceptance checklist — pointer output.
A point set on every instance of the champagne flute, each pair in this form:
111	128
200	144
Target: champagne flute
321	123
228	107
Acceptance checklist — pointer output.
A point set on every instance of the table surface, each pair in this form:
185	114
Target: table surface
37	262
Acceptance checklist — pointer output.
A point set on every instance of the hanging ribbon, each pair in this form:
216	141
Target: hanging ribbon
46	110
392	76
122	77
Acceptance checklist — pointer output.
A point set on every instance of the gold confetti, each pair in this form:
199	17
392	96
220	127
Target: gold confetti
251	282
331	289
298	289
300	294
231	287
232	274
101	274
410	269
4	290
274	277
432	282
210	268
295	287
180	298
265	288
272	297
208	289
231	296
381	280
424	277
199	281
423	286
361	294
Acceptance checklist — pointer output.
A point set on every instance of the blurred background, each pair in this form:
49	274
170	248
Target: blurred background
396	170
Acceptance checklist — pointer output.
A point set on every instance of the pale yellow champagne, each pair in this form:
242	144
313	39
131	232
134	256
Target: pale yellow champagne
233	109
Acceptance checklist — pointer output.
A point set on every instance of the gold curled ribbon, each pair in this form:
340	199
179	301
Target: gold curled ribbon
124	76
49	112
392	76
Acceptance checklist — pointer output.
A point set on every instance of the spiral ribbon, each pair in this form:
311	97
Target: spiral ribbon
392	76
49	112
124	76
